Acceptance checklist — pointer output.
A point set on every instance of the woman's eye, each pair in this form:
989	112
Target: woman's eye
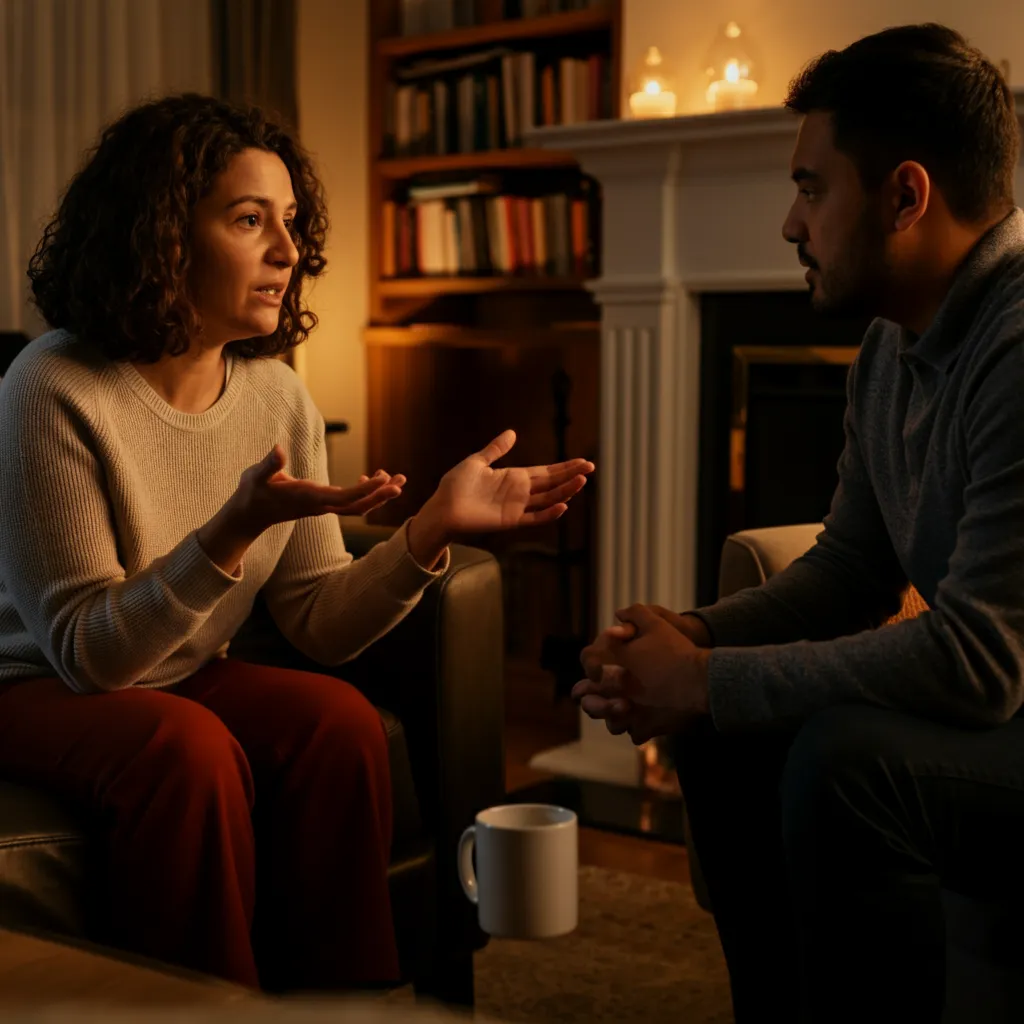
251	220
806	193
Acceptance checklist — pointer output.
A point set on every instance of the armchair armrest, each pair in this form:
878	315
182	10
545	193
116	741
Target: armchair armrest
751	556
440	671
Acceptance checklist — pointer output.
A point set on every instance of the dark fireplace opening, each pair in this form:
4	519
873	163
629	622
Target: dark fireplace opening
773	393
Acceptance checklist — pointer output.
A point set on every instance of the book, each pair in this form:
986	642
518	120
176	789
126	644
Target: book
527	98
459	228
453	189
389	233
490	99
509	98
466	62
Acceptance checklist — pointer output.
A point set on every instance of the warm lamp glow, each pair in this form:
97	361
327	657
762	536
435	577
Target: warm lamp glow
653	92
730	70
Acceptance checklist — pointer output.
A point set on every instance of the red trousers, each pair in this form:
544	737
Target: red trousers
246	813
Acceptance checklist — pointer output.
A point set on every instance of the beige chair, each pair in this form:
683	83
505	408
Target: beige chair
985	949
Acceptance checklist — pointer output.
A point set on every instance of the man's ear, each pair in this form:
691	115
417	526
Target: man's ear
911	190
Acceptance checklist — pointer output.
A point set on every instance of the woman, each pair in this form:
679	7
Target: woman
159	470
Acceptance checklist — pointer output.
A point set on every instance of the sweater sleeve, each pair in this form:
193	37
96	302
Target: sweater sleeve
849	581
97	628
330	606
963	660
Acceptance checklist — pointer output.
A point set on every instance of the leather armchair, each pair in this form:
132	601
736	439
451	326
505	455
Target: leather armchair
984	944
437	678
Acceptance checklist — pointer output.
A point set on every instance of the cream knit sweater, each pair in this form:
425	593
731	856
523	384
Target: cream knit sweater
103	486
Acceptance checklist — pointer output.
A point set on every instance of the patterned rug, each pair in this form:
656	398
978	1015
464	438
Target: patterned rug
644	951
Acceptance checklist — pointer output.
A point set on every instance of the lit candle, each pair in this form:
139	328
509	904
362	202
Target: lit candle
652	101
734	90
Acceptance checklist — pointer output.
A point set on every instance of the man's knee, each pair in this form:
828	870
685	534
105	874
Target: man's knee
836	764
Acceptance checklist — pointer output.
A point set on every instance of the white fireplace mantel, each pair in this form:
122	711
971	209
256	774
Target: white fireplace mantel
690	205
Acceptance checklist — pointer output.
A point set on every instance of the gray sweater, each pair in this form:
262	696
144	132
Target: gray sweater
931	491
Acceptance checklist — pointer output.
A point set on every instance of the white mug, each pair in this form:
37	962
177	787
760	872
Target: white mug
526	882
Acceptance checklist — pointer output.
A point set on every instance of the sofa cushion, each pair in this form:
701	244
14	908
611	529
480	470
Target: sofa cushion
42	862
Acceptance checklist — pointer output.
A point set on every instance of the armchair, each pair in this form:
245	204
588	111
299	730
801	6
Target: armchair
437	678
984	948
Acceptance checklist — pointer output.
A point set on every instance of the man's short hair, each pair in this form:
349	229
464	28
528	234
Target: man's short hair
923	93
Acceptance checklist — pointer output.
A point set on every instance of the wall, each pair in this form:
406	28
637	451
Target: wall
333	106
787	33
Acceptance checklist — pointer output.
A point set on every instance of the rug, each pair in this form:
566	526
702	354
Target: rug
644	951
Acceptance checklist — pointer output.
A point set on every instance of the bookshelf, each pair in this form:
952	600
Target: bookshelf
585	39
479	311
499	31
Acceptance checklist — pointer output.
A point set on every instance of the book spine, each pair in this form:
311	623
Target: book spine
548	100
451	239
493	113
388	256
481	250
509	99
527	69
540	251
467	252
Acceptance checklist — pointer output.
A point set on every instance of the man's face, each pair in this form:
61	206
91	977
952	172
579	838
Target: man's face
835	225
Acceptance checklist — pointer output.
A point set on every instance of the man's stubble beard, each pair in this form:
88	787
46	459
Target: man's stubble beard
855	286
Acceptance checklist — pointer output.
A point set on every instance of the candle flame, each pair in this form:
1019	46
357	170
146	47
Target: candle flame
732	71
652	88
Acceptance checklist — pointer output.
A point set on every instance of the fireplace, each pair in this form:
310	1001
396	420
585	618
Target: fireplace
772	397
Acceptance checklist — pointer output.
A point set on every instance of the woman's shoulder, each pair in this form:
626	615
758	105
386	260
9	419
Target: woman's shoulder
278	384
56	365
283	393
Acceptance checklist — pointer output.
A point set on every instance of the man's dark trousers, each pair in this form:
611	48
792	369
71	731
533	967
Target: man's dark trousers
825	852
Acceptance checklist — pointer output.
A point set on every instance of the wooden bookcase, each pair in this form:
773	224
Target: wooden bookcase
453	358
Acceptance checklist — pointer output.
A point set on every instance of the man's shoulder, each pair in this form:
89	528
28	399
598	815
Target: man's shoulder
1005	298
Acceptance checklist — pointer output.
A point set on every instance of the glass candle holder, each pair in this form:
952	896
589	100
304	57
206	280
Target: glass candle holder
730	68
652	88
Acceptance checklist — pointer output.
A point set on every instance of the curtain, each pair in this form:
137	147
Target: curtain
68	67
254	45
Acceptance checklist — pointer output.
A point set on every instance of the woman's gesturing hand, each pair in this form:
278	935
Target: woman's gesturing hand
474	497
267	495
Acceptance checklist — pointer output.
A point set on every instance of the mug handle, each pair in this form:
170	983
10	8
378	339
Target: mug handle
467	876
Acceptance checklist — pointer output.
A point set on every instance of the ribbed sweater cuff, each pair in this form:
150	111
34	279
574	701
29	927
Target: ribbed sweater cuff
196	581
403	576
736	693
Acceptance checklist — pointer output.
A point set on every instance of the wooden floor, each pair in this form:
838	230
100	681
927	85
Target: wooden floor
534	722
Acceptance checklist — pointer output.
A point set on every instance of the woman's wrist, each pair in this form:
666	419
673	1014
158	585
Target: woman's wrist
428	536
226	537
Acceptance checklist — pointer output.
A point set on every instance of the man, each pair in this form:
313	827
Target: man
836	774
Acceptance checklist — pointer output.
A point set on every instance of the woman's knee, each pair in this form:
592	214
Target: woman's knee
341	716
187	744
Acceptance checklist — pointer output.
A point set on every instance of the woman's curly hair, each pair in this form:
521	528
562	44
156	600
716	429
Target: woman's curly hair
112	266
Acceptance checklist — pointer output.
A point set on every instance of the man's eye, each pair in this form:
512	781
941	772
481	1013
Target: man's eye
806	193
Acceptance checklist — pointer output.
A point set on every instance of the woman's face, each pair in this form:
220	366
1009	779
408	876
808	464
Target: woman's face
242	248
